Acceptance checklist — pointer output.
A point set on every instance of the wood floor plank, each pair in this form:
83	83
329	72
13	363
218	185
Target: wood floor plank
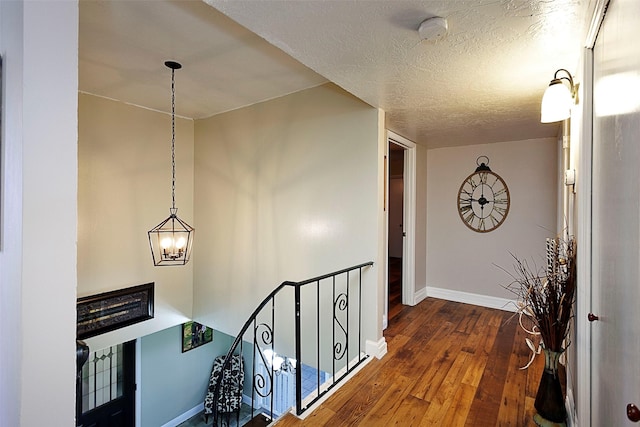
318	417
475	370
513	394
461	404
427	385
486	405
385	410
443	398
410	412
448	364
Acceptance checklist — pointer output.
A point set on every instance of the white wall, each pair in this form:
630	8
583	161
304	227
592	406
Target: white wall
285	190
124	190
38	251
459	259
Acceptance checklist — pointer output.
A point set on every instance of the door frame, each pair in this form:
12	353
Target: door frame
583	243
584	223
409	221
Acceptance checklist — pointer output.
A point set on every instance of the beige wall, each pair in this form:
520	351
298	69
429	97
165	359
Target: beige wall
462	260
285	190
124	190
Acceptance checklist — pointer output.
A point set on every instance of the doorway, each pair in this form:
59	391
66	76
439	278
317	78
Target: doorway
106	388
396	232
400	202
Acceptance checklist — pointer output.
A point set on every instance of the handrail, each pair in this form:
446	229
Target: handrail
258	310
326	276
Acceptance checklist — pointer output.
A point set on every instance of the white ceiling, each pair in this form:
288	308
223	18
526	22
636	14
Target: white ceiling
481	83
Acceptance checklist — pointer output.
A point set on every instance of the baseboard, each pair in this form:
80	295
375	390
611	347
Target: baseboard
419	296
184	417
376	348
469	298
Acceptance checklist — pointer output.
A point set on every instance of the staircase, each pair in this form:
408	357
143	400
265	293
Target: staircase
314	326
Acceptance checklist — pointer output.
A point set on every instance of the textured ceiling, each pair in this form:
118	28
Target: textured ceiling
482	82
123	45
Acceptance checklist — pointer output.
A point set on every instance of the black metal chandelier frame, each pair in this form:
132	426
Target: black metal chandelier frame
171	240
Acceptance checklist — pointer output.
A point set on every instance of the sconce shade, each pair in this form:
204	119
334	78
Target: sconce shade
171	241
556	103
558	98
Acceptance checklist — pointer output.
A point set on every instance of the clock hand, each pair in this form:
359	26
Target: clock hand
482	201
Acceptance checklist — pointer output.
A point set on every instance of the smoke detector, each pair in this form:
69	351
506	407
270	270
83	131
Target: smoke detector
433	28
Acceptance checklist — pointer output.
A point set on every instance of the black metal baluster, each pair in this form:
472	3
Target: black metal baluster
346	350
298	352
359	313
333	327
273	351
253	371
318	337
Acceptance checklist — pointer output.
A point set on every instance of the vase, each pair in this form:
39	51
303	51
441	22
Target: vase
549	400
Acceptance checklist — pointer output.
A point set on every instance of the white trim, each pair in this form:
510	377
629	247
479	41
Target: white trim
583	242
376	349
419	296
409	224
469	298
185	416
384	246
409	220
597	17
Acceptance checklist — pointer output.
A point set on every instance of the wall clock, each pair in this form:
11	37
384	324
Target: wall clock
483	198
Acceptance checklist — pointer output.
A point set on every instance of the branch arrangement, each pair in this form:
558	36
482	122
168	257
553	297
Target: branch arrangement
546	297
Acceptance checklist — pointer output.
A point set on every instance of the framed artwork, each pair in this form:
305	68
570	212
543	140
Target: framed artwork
97	314
194	335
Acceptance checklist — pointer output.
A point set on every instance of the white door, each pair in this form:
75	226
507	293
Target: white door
615	370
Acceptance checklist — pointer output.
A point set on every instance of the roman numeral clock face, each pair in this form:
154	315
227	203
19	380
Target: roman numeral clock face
483	200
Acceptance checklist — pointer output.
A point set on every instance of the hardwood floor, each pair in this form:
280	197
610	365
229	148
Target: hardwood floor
448	364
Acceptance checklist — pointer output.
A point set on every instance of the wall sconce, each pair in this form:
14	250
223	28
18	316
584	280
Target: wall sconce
171	240
558	98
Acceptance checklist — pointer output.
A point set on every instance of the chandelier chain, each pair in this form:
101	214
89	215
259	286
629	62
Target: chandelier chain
173	140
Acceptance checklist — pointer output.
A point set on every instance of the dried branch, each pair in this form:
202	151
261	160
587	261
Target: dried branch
546	297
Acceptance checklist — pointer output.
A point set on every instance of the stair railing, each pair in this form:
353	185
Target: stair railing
267	365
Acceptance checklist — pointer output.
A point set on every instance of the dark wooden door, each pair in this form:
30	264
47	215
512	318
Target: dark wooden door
106	388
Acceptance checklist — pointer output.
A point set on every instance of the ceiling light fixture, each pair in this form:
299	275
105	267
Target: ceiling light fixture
558	99
171	240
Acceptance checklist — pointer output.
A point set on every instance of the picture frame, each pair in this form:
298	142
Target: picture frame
108	311
194	335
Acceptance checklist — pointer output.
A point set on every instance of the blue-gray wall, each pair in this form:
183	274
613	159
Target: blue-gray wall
173	382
